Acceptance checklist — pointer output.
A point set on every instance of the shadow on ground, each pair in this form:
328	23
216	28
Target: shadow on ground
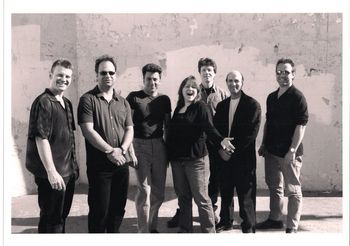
78	224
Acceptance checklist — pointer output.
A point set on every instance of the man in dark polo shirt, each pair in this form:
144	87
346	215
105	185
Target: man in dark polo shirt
282	147
151	114
50	152
106	123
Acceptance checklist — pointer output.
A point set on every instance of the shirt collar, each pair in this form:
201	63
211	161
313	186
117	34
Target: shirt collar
213	88
96	91
290	90
51	96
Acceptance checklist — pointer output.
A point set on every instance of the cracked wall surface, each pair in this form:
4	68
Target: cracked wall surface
251	43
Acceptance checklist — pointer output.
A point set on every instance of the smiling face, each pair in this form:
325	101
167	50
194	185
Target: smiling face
234	82
106	75
151	83
60	78
207	75
190	91
285	75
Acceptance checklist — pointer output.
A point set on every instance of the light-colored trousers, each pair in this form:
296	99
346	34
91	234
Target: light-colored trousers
191	180
151	175
277	173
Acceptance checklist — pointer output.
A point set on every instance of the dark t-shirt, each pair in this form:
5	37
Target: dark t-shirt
110	120
188	133
49	120
282	116
148	113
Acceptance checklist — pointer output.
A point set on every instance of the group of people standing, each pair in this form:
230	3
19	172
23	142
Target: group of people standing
209	141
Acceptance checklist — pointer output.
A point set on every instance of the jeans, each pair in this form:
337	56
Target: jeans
191	181
107	199
151	175
54	204
214	186
277	172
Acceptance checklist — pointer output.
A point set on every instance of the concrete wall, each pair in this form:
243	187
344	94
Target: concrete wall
251	43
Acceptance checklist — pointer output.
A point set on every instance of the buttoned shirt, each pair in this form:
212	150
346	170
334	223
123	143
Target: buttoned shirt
109	119
212	99
49	120
283	114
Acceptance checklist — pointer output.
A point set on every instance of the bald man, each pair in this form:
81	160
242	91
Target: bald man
239	117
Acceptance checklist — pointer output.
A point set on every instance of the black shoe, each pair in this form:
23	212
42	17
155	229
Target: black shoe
289	230
219	227
174	222
269	224
154	231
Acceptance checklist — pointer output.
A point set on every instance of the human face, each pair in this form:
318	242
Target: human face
284	75
106	75
189	92
234	83
60	78
151	82
207	75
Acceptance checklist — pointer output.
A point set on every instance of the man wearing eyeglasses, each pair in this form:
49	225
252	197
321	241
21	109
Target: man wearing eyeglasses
106	123
282	148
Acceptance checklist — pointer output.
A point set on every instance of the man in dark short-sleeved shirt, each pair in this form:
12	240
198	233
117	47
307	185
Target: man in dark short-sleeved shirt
50	152
151	114
106	123
282	147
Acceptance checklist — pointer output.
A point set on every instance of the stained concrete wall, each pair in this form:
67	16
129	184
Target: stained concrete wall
251	43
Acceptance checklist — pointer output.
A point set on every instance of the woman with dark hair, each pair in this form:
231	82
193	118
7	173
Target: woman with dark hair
188	130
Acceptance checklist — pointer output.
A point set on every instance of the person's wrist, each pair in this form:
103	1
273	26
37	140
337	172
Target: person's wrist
292	150
123	150
110	151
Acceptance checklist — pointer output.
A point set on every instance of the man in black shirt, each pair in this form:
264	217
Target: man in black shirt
286	120
151	114
50	152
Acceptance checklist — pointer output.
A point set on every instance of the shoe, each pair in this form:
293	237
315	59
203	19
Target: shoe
269	224
154	231
219	227
289	230
174	222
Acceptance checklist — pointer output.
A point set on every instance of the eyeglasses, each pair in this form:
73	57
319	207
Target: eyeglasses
104	73
283	72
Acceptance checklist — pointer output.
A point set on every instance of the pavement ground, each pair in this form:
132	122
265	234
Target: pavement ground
322	213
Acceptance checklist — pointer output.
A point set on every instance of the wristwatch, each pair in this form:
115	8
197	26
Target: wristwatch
293	150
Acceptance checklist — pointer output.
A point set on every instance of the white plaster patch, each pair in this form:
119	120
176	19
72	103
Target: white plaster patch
194	26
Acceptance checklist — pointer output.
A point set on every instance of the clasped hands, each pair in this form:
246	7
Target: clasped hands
116	156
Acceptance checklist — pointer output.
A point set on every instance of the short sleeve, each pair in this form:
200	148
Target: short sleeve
302	115
40	122
168	105
131	100
85	110
128	119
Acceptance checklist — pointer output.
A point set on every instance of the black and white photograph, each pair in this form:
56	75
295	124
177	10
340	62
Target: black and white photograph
189	117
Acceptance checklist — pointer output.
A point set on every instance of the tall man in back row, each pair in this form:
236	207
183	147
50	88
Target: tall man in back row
282	147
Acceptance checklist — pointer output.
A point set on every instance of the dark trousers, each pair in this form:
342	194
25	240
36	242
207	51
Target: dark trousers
213	187
244	180
107	199
54	205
